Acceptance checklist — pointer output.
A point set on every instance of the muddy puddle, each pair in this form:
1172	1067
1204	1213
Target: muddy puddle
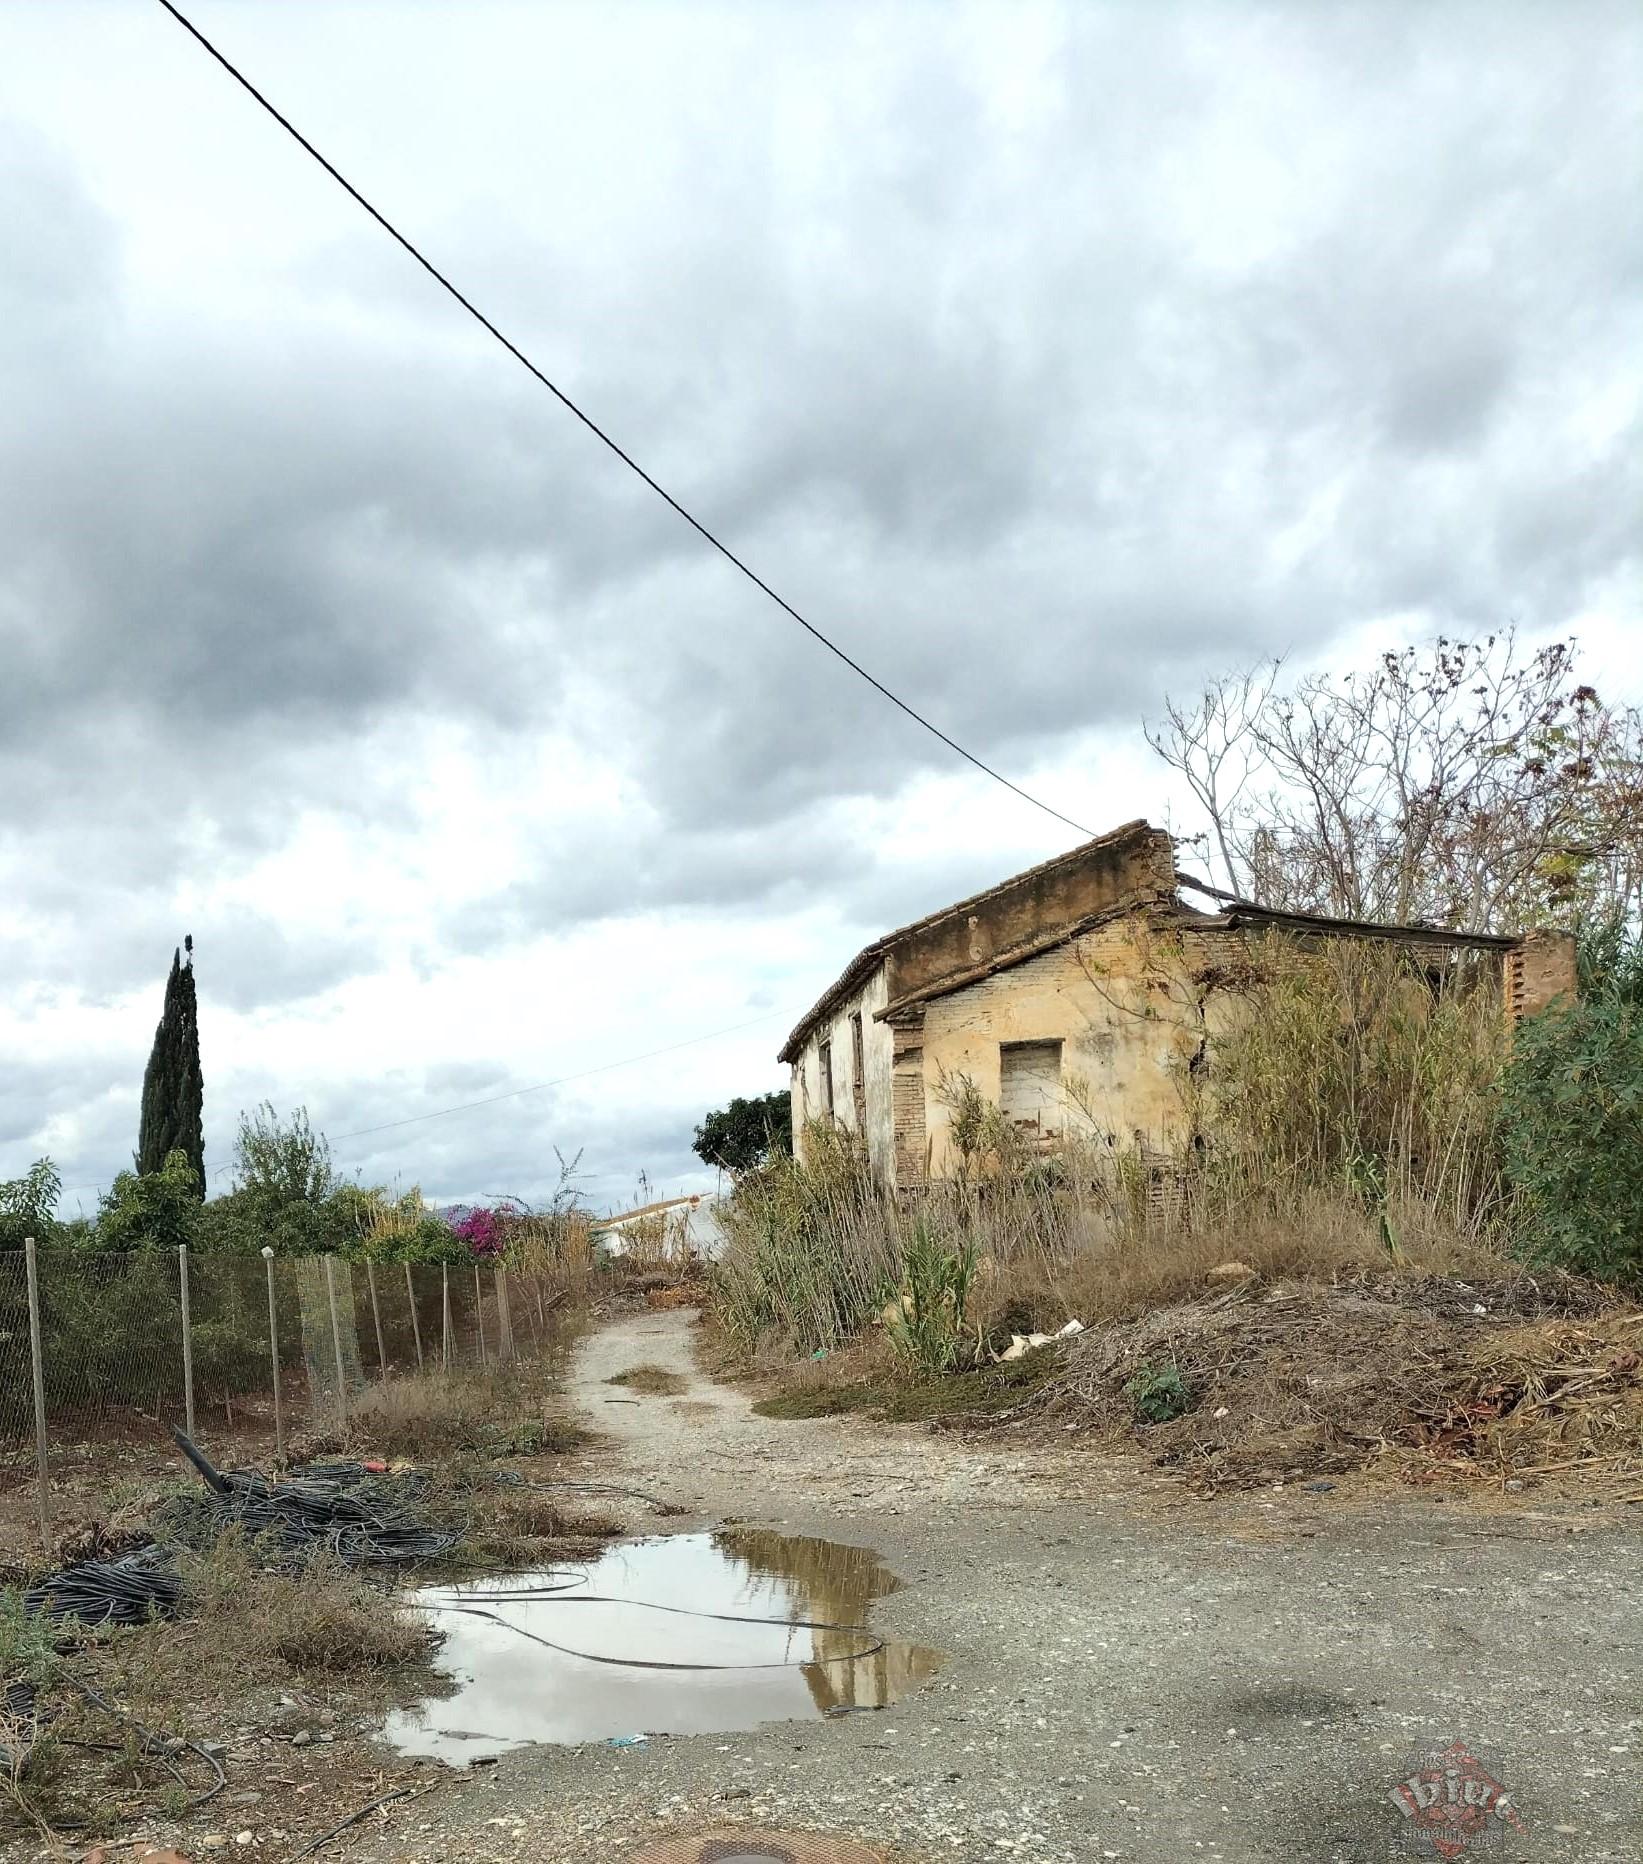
685	1634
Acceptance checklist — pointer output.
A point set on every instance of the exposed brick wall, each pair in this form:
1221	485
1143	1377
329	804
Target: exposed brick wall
907	1102
1539	971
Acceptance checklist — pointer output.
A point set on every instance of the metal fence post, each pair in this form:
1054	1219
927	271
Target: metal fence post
445	1303
479	1313
274	1356
504	1316
416	1324
376	1318
336	1340
44	1479
188	1341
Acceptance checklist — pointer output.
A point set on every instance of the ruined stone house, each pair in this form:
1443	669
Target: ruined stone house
1071	995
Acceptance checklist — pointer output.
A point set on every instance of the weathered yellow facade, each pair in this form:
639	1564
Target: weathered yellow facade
1079	997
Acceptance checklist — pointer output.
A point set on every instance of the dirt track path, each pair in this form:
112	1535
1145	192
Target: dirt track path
1119	1684
710	1452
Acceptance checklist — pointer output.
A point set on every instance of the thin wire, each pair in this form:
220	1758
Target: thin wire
599	433
627	1061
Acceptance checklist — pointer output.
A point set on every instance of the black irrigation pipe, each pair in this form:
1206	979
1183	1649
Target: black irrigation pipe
353	1818
19	1723
362	1517
129	1590
872	1648
161	1746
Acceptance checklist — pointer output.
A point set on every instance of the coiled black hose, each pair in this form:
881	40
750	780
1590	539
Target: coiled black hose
128	1591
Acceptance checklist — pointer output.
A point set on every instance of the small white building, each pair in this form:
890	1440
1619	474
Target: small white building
674	1227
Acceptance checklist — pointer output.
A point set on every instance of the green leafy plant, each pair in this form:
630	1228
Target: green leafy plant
26	1654
926	1318
984	1139
1159	1394
151	1209
28	1204
285	1158
1572	1120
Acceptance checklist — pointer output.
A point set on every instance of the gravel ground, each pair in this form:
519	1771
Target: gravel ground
1123	1679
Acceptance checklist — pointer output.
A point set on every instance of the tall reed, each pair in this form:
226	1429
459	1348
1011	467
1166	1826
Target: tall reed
1363	1068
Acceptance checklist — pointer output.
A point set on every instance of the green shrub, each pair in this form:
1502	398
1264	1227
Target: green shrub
1572	1120
285	1158
251	1217
26	1653
1159	1394
747	1133
150	1210
28	1205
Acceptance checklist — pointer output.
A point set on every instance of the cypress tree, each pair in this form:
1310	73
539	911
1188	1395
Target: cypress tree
173	1090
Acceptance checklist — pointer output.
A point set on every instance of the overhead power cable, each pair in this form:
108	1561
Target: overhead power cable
599	433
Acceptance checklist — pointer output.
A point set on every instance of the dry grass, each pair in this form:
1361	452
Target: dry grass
499	1412
1119	1274
1356	1065
256	1654
901	1398
657	1381
248	1635
242	1619
1546	1399
506	1521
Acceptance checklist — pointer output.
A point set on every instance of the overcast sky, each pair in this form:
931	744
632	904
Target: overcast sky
1049	358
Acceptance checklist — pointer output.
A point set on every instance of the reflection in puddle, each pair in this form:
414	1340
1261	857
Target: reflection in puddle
654	1637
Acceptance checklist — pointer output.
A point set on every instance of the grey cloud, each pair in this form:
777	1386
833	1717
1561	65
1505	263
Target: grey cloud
514	1149
784	867
1236	330
325	533
245	960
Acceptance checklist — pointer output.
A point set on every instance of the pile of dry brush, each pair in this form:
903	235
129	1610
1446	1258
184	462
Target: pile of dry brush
1510	1378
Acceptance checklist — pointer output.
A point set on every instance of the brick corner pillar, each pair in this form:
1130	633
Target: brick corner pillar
1540	971
907	1101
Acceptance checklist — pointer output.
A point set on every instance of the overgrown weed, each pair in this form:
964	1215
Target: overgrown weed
316	1618
502	1411
655	1381
1340	1120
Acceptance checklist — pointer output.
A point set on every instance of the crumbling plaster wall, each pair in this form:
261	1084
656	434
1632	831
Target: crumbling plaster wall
1138	1004
1123	1002
1041	902
877	1042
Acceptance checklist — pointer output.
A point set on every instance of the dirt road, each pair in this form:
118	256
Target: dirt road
1120	1682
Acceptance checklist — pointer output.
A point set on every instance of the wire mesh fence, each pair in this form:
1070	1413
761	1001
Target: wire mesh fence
256	1353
